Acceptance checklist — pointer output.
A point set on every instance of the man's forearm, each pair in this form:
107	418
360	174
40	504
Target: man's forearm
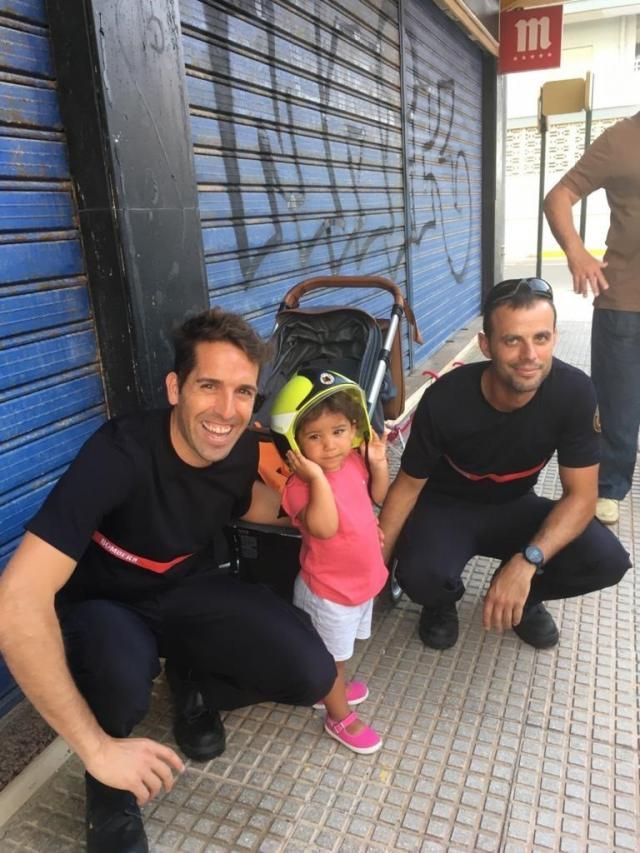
391	522
265	504
33	649
558	210
31	641
586	270
398	504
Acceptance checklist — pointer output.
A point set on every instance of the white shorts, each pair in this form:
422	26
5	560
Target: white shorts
339	625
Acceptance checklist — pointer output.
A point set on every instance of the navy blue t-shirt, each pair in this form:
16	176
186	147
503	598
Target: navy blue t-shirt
471	451
128	483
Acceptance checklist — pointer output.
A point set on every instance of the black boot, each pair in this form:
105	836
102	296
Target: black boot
198	731
537	627
438	627
113	820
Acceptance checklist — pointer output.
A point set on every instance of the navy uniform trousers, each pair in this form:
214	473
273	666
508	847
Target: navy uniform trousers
443	533
240	642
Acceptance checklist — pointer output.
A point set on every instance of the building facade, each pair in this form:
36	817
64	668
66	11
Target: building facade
158	158
598	37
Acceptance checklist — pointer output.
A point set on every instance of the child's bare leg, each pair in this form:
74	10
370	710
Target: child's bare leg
336	701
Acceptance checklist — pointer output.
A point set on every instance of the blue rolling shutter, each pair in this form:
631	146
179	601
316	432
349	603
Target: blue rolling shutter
296	125
51	395
443	91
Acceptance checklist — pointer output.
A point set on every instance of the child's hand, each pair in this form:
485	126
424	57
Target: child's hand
377	449
303	467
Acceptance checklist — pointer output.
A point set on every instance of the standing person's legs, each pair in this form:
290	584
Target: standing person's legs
244	644
615	366
340	625
113	656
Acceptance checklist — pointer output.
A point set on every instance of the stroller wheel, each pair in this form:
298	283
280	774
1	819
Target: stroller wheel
395	590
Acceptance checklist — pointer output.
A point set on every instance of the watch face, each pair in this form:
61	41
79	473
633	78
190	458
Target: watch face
533	555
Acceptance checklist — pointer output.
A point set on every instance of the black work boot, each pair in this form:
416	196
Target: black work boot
198	731
113	820
438	627
537	627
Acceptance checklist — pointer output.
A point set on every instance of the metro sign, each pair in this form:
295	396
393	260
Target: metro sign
530	40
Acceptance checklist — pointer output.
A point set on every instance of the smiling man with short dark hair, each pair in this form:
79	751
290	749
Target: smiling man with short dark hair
118	568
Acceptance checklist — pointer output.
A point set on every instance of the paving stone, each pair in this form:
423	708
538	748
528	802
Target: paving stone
415	821
575	808
384	835
391	814
438	828
294	846
545	840
430	846
259	821
625	841
336	819
571	845
327	840
360	827
267	845
302	835
487	843
443	810
281	827
517	829
403	841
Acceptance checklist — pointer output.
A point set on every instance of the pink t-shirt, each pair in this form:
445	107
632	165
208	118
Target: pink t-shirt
347	568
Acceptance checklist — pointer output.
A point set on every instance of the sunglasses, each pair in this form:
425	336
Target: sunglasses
512	286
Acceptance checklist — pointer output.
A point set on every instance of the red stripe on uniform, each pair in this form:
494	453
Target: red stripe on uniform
121	554
498	478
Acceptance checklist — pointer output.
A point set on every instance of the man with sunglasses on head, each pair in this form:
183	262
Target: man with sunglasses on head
480	437
612	163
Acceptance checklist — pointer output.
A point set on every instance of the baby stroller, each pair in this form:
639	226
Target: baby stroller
344	339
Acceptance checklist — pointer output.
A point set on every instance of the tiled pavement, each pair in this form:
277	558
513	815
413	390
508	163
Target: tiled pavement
488	746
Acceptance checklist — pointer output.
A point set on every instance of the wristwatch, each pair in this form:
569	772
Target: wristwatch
534	555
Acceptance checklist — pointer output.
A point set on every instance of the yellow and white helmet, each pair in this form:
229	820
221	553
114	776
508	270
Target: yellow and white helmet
304	390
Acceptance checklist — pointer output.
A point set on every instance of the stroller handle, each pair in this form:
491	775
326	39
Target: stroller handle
292	297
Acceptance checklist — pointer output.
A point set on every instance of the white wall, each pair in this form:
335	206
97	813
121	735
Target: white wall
521	217
606	47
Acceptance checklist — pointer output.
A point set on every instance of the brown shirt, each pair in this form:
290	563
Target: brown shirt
612	161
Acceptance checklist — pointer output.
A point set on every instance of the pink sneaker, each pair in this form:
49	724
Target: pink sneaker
357	692
365	742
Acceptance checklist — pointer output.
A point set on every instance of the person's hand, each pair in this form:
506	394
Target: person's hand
509	590
586	272
380	536
139	765
303	467
377	449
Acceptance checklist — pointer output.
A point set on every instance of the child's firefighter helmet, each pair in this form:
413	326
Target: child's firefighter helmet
303	391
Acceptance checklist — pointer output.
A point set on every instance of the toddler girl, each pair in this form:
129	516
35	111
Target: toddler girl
318	419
